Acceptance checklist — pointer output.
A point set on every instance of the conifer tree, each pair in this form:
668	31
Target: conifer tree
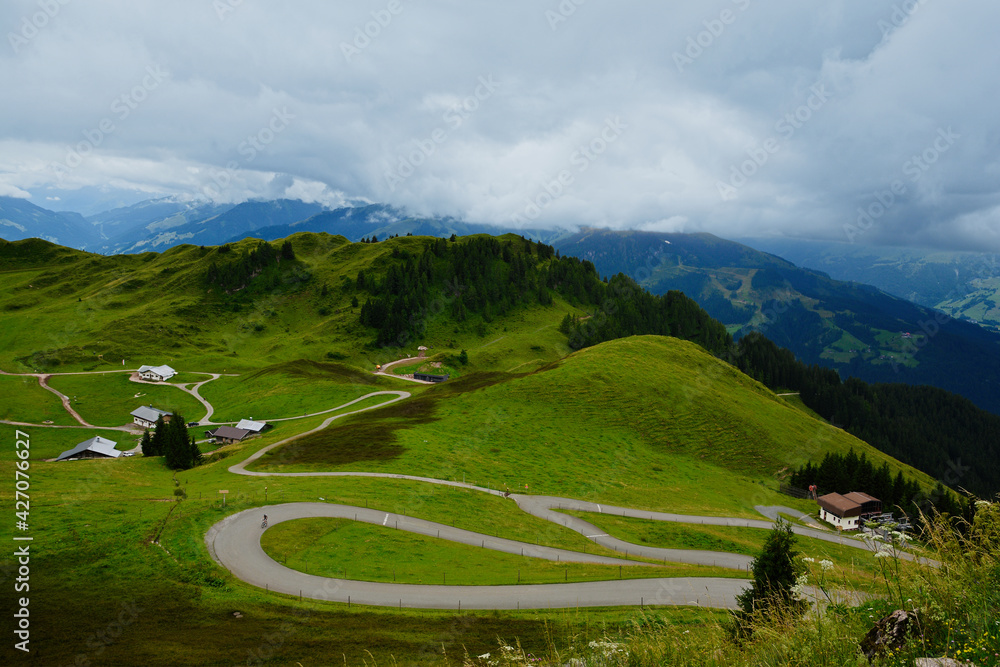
775	572
146	444
158	440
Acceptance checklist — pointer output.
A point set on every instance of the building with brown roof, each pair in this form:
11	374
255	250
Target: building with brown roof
848	511
228	435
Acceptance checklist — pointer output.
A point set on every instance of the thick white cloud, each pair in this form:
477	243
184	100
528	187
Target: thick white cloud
559	112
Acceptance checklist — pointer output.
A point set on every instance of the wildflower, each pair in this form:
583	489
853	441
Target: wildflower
798	590
826	564
882	553
484	656
808	559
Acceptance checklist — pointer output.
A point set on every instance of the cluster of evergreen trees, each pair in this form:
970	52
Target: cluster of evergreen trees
940	433
844	473
479	276
933	430
490	277
170	440
629	310
260	263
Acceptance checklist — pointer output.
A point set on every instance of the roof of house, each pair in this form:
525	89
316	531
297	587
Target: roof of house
165	372
838	502
860	498
149	413
229	433
248	425
98	444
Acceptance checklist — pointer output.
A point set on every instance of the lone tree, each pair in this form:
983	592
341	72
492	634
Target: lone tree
170	440
146	444
775	572
180	450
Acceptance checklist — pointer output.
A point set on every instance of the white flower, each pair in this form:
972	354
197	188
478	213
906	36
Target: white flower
484	656
808	559
798	590
826	565
882	553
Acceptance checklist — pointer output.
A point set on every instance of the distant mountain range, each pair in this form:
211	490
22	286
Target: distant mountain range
163	223
856	329
962	284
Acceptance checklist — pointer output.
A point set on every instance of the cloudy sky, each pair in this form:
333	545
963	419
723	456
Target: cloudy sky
870	121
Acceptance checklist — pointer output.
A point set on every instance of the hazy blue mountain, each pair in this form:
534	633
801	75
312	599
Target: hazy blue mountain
213	224
963	284
356	223
20	219
857	329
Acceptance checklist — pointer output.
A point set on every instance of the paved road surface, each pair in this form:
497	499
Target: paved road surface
235	543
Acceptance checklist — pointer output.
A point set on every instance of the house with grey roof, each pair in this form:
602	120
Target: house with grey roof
227	435
156	373
146	416
95	448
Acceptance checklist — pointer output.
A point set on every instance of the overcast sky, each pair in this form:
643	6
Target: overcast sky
738	117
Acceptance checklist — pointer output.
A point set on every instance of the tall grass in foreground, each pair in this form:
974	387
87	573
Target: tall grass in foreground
956	602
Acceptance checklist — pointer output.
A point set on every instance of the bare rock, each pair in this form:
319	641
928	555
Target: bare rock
889	633
940	662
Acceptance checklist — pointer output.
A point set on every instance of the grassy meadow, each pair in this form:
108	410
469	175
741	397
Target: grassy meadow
120	573
108	399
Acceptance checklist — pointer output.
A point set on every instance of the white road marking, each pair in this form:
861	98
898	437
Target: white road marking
385	519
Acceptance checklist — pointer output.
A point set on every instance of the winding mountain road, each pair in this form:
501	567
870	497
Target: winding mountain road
235	543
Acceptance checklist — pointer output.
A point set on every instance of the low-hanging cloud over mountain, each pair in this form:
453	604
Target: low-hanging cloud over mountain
871	122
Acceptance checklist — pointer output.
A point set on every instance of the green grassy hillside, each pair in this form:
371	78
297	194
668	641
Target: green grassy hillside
70	310
648	422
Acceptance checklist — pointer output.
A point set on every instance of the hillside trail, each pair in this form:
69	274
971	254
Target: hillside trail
192	389
235	543
43	380
385	368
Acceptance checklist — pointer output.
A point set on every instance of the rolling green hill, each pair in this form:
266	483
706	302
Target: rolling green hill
649	422
95	311
853	328
645	421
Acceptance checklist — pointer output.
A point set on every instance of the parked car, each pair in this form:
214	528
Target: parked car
192	424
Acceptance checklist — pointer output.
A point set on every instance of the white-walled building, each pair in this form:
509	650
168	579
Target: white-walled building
849	511
156	373
146	416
